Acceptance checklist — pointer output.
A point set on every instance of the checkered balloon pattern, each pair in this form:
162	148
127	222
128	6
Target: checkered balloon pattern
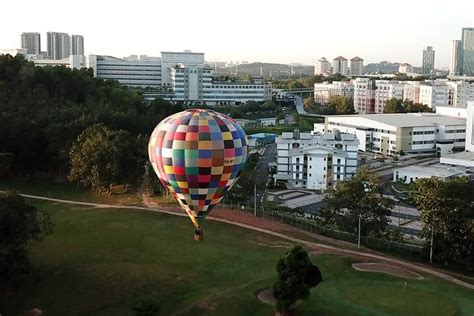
198	155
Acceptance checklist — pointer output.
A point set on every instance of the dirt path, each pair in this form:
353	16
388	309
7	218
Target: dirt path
266	225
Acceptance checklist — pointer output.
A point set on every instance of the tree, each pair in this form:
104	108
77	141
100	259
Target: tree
101	157
447	211
354	197
394	106
20	226
296	276
342	104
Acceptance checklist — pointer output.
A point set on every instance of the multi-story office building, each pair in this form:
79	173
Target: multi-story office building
456	52
428	63
339	66
195	84
31	42
411	91
467	46
384	91
72	61
315	162
435	93
58	45
323	91
357	66
388	134
186	58
323	66
133	71
77	45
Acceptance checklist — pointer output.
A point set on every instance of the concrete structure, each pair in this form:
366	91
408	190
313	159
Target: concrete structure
13	51
339	66
465	158
269	121
315	162
133	71
416	133
405	68
437	93
195	84
440	92
31	42
428	62
58	45
323	91
77	45
456	52
72	61
171	59
370	96
467	46
322	66
413	173
357	66
452	111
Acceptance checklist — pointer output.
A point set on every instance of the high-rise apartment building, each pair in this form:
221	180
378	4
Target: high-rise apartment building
31	42
58	45
77	45
323	66
339	66
456	51
357	66
427	67
467	46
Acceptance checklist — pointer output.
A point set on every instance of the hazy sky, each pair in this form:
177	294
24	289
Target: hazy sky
253	30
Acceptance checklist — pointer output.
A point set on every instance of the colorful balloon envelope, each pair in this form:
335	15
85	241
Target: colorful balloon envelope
198	156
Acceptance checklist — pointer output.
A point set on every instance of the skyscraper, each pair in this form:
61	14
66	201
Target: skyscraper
31	42
339	66
357	66
456	51
77	45
467	47
58	45
322	66
427	67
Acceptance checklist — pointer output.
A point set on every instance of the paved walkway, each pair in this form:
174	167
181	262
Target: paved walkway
332	249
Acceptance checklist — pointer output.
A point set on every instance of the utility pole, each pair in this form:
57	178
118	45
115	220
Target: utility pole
358	238
255	200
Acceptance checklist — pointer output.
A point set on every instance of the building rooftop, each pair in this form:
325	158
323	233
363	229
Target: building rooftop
340	58
406	119
357	58
440	171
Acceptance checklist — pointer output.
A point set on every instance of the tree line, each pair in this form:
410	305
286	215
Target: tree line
45	109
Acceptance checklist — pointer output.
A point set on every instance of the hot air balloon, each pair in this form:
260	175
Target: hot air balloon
198	156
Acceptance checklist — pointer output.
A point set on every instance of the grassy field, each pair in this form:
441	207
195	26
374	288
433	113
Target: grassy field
101	261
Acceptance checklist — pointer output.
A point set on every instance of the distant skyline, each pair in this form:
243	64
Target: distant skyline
279	31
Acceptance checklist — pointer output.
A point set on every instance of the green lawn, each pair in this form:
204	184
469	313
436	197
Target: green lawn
100	261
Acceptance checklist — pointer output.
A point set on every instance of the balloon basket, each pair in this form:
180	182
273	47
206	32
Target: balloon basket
198	234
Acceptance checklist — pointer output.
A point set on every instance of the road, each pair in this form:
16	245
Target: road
300	107
322	247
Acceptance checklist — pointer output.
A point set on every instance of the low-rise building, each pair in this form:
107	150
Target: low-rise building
417	133
412	173
315	162
267	121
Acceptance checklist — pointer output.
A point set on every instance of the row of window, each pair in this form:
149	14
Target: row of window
450	131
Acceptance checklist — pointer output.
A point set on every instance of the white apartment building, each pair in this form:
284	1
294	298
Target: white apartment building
195	84
440	92
322	66
405	68
339	66
323	91
357	66
456	52
417	133
31	42
315	162
142	71
77	45
384	91
58	45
